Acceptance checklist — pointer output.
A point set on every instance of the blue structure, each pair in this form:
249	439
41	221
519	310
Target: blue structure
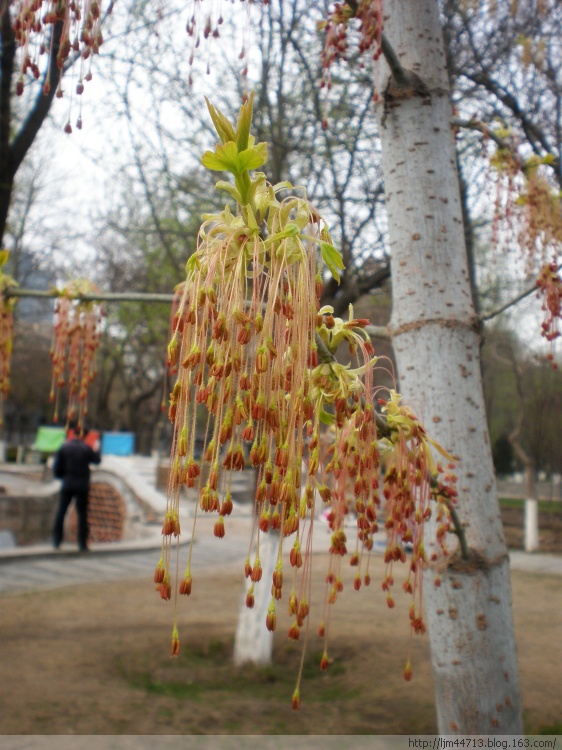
118	444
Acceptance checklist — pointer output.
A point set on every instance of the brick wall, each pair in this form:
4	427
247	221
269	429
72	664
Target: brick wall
30	519
106	515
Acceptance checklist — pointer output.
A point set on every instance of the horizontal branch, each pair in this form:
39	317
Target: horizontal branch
479	126
98	297
399	73
377	332
502	143
380	332
513	301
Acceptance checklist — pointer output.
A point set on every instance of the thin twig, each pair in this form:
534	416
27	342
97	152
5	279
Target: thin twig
458	528
14	291
514	301
326	356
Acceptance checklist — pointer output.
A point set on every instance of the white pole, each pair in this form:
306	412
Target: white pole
531	525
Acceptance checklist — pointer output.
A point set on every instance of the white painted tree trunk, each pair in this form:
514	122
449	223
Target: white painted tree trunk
531	527
436	342
253	643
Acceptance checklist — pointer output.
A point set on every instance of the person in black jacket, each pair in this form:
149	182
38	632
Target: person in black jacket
72	465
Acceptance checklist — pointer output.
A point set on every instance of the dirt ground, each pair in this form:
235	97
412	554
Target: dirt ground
95	660
550	529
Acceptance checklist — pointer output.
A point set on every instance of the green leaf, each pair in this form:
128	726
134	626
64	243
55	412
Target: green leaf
252	223
282	186
222	125
192	264
332	258
244	124
225	157
253	157
327	418
223	185
290	230
4	255
256	188
302	216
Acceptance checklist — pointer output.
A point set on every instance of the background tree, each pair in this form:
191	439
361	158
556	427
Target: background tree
505	67
37	45
129	257
522	396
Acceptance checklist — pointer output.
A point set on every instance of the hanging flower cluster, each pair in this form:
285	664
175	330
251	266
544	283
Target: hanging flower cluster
549	285
76	334
528	215
541	230
6	326
257	354
369	14
506	176
37	24
204	25
527	207
540	208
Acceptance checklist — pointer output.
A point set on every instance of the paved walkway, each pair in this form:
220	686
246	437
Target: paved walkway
536	562
44	568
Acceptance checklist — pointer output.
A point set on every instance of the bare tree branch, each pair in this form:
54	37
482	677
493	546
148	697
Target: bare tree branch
500	142
513	301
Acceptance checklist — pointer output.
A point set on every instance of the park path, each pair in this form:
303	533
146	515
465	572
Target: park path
40	567
44	568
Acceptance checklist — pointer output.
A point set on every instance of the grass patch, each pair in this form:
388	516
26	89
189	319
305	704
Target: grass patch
551	729
545	506
206	674
172	689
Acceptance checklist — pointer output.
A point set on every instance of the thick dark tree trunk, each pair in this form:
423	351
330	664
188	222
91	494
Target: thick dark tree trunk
14	146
